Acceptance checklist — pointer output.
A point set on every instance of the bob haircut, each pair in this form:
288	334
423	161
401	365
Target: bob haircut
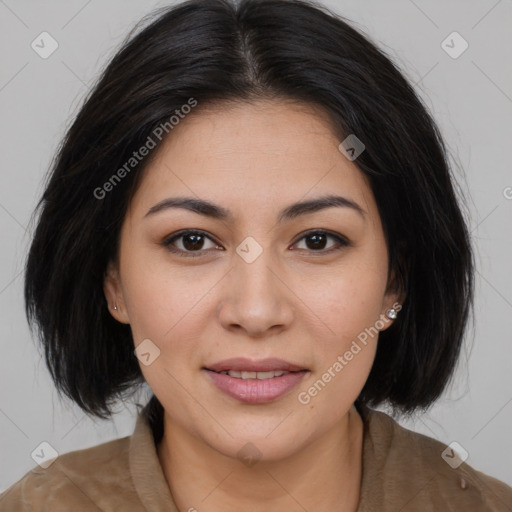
221	51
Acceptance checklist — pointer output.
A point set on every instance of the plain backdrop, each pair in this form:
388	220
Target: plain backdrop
470	97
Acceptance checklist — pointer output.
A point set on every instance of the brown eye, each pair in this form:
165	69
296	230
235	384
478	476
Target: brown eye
316	241
193	241
188	242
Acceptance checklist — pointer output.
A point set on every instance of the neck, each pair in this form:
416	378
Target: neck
324	476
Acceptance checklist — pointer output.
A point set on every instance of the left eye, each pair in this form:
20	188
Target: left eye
193	241
319	239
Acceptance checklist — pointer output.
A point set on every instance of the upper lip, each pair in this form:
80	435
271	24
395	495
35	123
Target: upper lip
249	365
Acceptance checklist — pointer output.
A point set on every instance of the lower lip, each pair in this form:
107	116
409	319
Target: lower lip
256	391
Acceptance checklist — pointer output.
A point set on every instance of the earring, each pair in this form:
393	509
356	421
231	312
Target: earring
391	313
114	308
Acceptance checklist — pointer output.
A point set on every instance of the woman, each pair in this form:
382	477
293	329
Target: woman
253	213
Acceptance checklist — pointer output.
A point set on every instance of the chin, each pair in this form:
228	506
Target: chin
270	441
256	448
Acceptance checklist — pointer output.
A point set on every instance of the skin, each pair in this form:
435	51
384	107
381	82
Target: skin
297	301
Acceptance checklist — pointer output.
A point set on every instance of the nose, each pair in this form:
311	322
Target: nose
255	296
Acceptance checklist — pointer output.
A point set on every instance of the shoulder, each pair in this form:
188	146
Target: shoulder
79	478
421	473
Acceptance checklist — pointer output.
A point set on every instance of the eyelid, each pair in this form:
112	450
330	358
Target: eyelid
320	231
341	243
167	242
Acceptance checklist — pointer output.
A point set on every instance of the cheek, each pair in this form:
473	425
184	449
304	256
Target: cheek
349	304
351	307
348	300
169	306
159	297
168	312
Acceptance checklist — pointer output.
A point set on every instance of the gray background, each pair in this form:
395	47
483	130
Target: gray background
471	97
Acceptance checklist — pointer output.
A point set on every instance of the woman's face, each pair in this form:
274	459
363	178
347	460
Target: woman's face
262	283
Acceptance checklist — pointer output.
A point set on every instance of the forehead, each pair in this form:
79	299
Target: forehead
258	154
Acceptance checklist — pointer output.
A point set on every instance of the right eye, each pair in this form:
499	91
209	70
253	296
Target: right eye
192	241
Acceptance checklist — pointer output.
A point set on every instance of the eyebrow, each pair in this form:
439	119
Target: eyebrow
293	211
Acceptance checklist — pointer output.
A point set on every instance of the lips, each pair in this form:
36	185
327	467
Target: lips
255	382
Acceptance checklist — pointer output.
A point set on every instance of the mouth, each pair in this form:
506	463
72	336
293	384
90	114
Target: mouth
255	382
245	375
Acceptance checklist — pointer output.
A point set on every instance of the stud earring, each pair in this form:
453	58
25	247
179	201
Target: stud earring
391	313
115	308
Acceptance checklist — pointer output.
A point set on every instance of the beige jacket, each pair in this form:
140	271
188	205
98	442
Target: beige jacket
402	472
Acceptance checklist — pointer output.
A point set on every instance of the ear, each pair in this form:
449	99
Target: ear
393	299
114	294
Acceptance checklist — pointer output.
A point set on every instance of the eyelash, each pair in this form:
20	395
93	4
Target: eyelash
167	243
